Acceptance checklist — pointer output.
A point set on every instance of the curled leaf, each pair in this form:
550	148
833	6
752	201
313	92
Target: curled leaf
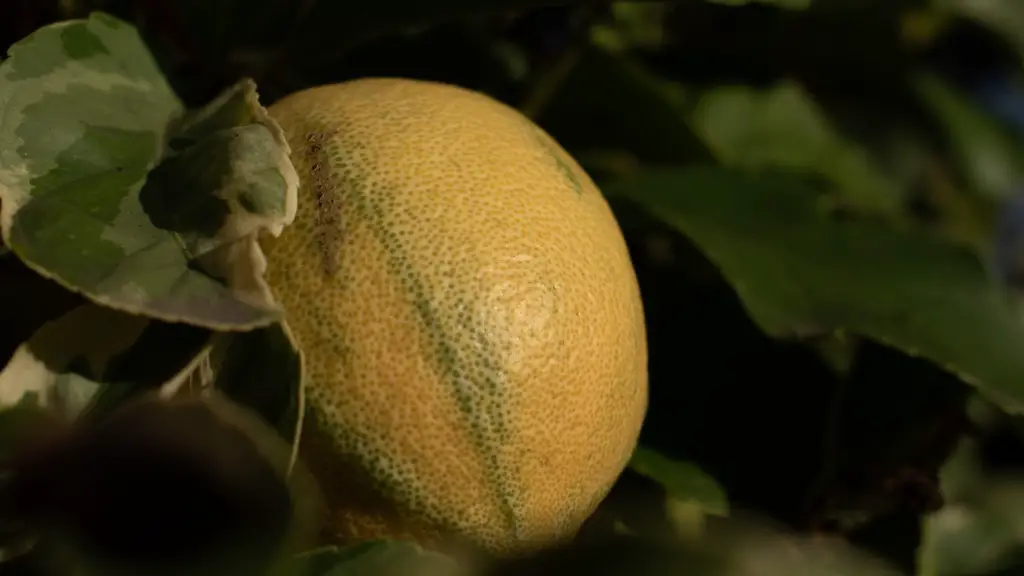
85	116
227	179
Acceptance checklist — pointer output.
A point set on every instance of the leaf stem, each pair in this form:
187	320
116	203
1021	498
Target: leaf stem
550	78
830	448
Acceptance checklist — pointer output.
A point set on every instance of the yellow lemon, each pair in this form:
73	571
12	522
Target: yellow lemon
469	315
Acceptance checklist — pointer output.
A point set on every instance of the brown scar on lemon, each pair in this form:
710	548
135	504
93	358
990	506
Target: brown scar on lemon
328	205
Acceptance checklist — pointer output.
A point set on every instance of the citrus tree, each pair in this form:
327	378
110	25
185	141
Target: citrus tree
820	203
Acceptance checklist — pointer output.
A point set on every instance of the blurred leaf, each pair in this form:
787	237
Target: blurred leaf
378	558
791	4
63	360
328	27
339	22
96	354
1005	17
738	548
987	156
25	420
796	269
920	27
263	371
637	112
682	481
784	128
634	25
86	114
219	501
981	527
759	550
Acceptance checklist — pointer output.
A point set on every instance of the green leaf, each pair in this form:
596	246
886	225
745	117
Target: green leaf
638	112
378	558
62	362
24	420
1004	17
762	550
263	371
164	352
227	179
95	354
784	128
987	156
633	25
790	4
978	530
84	117
796	270
682	481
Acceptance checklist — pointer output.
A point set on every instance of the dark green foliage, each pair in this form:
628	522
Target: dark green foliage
809	191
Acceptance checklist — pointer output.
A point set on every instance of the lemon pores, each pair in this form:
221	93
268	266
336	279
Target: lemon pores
470	318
